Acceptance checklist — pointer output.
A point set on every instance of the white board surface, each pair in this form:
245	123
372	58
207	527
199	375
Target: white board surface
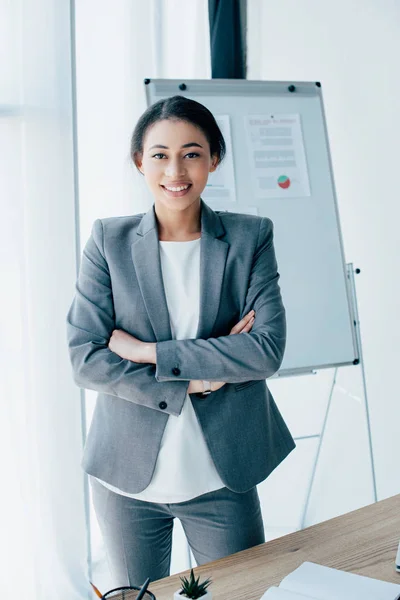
307	236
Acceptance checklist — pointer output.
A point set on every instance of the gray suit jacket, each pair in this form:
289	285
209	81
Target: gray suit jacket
120	286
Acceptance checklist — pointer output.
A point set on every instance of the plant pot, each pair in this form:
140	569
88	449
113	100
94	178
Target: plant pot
178	596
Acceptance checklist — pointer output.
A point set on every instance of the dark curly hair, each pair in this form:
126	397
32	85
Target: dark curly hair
179	108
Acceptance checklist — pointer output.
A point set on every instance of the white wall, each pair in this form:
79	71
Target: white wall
352	48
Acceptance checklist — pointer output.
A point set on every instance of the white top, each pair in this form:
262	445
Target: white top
184	467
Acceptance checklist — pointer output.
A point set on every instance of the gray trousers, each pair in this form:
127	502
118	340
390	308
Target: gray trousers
138	534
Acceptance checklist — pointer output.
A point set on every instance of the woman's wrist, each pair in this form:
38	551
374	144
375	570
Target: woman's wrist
195	386
150	353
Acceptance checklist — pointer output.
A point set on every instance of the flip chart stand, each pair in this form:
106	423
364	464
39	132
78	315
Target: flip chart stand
359	362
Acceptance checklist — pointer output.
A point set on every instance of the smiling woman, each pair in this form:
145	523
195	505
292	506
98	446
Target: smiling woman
169	438
192	147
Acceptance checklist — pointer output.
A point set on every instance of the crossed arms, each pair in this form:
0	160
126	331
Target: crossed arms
232	358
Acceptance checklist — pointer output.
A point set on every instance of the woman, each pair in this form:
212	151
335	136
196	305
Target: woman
184	424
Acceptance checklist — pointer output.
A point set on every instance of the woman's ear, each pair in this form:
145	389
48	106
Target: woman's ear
137	159
214	163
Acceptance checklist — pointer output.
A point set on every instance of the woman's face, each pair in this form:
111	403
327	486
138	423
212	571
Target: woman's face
176	162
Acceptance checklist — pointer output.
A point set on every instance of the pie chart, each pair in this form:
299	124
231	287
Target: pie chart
283	182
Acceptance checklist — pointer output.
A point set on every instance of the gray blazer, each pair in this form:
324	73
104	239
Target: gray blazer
120	286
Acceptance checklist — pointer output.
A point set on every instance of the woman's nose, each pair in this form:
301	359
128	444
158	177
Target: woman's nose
174	168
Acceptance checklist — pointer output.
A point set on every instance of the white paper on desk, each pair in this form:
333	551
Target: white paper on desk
275	593
324	583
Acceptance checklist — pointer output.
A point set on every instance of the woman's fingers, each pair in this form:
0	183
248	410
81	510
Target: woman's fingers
216	385
248	326
244	324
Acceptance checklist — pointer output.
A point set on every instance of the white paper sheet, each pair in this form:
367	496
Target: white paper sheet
221	184
275	593
324	583
277	156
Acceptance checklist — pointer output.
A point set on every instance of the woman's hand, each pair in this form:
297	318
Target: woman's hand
244	326
127	346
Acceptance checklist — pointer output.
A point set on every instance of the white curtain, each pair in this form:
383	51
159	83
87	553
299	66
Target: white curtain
44	517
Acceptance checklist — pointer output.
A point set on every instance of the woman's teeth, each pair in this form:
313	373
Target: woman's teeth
176	189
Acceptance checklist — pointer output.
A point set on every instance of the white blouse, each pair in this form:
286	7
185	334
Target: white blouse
184	467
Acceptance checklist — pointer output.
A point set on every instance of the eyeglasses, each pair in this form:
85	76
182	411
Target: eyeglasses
127	593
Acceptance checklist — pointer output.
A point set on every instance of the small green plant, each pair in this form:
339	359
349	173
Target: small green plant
191	588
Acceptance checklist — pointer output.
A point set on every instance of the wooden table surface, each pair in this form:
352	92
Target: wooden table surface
363	541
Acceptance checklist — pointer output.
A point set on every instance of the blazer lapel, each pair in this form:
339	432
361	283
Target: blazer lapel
213	255
146	259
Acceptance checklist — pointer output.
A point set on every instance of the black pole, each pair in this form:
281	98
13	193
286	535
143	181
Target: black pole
228	38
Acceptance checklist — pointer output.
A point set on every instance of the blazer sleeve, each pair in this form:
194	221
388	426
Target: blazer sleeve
239	357
90	322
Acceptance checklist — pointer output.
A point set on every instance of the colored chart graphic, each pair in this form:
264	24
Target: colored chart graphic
284	182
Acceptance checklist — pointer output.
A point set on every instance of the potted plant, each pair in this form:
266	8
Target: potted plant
191	588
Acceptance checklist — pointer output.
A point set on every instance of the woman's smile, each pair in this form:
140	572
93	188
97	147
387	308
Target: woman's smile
176	191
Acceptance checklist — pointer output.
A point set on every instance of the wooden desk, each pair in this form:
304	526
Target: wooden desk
363	541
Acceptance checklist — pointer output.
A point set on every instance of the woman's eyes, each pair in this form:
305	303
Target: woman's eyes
190	154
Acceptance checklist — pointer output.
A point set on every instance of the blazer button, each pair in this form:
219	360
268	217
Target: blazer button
163	405
176	371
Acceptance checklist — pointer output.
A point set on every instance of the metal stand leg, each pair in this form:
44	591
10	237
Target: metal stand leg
350	275
189	556
321	437
360	361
